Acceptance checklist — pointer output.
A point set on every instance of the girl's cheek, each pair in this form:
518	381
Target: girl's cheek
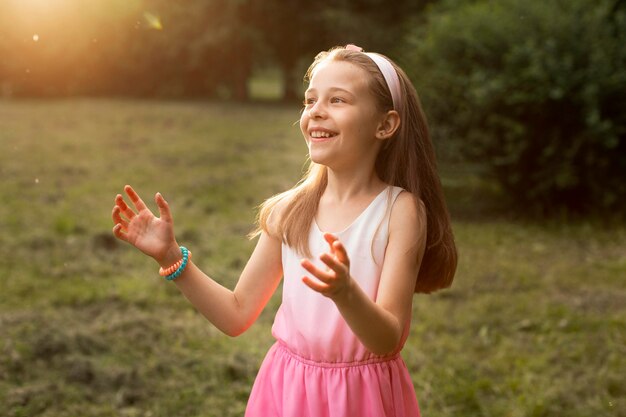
302	127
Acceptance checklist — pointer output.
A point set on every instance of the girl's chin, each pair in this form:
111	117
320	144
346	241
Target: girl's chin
318	157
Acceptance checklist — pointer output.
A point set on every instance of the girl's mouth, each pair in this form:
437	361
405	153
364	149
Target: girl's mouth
319	135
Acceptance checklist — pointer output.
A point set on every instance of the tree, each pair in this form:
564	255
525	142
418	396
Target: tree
290	31
535	90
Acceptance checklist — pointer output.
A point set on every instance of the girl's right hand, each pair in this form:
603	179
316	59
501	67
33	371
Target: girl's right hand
152	235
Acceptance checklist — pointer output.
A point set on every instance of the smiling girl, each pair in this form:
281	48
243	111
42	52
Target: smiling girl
365	229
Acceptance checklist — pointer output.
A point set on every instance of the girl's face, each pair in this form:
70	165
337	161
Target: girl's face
340	119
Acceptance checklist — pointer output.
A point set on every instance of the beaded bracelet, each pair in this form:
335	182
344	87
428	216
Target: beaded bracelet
171	269
174	271
182	266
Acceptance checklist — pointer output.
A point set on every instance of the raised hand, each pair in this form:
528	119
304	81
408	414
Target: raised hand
336	279
152	235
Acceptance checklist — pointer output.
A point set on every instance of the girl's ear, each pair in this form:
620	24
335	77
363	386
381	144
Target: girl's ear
388	125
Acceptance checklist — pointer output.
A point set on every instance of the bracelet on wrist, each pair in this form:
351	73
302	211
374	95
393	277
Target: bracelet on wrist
174	271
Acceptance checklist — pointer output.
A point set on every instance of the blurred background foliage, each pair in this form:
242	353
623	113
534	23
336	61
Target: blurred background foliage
159	48
533	91
537	91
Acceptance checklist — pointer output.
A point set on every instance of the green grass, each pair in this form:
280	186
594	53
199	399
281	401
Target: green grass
534	324
266	84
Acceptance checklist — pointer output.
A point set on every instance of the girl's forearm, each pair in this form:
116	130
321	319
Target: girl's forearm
234	311
378	329
215	302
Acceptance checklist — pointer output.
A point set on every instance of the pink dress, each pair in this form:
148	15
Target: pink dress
318	367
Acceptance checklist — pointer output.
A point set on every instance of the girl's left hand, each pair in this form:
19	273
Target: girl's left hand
336	279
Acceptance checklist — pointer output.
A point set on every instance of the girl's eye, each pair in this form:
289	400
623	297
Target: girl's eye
308	101
337	100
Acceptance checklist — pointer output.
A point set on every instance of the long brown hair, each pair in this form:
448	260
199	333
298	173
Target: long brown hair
407	160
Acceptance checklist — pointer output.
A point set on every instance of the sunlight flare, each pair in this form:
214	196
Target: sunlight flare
153	21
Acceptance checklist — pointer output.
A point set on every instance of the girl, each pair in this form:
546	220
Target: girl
365	228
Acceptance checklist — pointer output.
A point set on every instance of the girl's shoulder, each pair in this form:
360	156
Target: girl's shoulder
408	199
408	212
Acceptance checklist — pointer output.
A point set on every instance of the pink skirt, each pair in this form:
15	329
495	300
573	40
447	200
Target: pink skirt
291	386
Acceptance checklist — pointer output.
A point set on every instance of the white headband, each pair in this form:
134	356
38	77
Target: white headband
390	75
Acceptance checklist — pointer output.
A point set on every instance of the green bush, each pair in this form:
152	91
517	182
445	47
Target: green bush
534	90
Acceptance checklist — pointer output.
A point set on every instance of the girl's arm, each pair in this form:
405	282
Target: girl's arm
230	311
234	311
379	324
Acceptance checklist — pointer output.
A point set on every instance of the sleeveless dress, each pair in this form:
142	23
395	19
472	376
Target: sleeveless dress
318	367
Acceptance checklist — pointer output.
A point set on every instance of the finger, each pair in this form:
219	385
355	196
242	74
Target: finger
127	211
117	231
317	273
117	219
315	286
333	263
341	253
330	238
134	197
164	208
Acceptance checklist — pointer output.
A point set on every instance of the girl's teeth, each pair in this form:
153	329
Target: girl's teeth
320	134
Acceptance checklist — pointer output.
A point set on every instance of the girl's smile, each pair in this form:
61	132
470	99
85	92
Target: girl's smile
320	134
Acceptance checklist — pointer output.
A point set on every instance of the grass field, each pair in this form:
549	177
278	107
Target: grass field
534	325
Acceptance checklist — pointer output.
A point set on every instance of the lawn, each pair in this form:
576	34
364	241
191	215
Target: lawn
534	324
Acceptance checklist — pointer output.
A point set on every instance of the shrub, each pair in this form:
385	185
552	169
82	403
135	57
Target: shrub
534	90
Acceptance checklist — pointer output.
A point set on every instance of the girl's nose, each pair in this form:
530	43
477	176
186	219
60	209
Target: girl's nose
317	111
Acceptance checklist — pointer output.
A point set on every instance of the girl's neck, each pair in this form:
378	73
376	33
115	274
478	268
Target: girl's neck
346	185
